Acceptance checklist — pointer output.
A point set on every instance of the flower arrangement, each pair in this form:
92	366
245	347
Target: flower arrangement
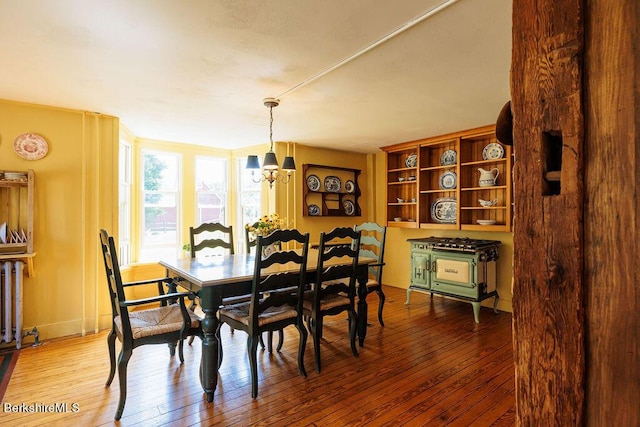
265	225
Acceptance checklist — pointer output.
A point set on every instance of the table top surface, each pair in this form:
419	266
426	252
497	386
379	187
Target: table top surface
220	269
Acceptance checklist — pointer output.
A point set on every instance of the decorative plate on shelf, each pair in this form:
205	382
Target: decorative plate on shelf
449	157
30	146
412	161
493	151
314	210
486	221
15	176
332	184
448	181
349	207
313	183
349	187
443	210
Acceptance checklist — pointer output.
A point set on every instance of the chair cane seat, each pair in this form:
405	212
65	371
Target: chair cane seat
155	321
326	303
240	313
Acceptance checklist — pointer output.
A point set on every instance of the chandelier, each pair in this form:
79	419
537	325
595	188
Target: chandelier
270	165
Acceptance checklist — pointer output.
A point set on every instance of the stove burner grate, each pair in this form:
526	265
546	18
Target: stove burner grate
460	243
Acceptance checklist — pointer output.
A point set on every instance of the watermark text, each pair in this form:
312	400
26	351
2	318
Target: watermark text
37	407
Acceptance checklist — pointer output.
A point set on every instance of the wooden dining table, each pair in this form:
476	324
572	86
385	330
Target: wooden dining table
221	276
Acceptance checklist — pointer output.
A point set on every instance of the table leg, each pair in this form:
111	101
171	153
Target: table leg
362	306
209	361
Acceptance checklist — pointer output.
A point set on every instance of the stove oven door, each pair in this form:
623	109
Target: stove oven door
454	273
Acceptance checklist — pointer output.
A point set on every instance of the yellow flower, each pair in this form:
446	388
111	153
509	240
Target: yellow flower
265	225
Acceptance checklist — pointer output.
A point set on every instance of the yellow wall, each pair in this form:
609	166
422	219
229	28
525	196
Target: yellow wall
75	196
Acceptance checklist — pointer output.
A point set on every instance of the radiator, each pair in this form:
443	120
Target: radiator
12	302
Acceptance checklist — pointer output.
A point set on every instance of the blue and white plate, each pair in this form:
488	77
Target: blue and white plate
493	151
412	161
448	180
349	186
332	184
449	157
313	183
349	207
443	210
314	210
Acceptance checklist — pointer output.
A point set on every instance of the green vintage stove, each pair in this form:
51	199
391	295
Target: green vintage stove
461	268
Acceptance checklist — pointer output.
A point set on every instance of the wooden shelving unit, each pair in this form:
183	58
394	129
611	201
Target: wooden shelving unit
17	212
418	194
328	201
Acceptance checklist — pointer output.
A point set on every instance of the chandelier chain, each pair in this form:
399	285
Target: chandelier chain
271	126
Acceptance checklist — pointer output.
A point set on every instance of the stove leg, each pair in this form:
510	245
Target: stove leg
408	296
476	311
495	304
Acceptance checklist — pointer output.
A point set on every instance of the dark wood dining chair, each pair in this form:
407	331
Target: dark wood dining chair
251	243
372	246
169	323
334	290
248	241
222	239
273	306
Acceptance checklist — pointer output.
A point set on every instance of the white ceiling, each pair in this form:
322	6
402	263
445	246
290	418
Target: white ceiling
197	71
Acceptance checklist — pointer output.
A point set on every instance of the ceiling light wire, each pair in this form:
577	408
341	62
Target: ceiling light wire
373	45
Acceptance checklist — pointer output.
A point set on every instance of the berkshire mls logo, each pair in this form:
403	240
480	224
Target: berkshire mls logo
59	407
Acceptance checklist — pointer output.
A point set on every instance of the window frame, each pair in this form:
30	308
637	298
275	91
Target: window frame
144	246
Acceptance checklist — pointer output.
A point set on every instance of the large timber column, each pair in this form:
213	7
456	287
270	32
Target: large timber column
612	248
575	87
548	134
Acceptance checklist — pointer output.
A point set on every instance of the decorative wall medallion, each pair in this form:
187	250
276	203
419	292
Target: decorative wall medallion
30	146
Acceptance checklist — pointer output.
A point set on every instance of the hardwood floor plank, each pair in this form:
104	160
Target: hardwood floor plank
431	365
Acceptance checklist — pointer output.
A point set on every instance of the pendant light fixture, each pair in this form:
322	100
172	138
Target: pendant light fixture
270	164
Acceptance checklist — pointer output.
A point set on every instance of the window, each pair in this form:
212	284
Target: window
160	200
124	203
211	190
249	202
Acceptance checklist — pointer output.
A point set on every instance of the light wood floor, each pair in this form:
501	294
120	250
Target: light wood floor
430	365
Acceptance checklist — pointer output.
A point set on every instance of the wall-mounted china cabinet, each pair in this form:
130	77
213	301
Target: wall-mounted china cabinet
459	181
330	191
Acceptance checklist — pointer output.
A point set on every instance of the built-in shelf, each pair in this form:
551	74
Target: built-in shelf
441	174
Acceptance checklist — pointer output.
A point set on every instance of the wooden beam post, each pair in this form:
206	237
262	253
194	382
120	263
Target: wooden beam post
612	241
548	135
